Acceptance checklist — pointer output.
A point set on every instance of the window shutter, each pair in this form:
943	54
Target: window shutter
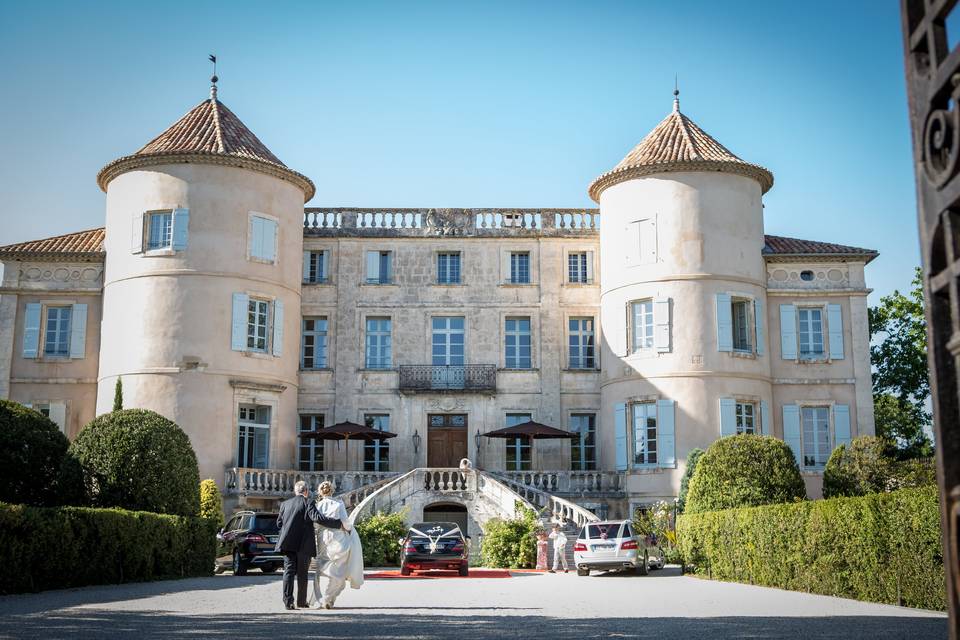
661	324
256	237
835	331
181	220
58	415
136	234
324	274
306	266
238	340
277	328
620	434
724	323
386	267
590	266
791	430
630	330
788	332
766	427
269	239
728	417
666	432
373	266
31	330
78	331
841	425
261	448
758	319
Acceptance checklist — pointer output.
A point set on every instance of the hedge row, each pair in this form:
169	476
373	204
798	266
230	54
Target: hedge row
882	547
56	548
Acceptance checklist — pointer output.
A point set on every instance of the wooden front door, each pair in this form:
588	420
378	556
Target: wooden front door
446	439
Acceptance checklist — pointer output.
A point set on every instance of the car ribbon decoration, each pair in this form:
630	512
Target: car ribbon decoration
435	540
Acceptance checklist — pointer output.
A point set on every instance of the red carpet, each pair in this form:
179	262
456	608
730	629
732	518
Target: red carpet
474	573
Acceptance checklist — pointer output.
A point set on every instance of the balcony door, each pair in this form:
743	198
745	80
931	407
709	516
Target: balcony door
446	439
448	352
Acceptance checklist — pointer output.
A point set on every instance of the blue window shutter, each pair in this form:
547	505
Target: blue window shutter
181	220
835	331
728	417
306	266
620	434
373	266
788	332
666	432
791	431
758	320
256	237
277	328
661	324
261	448
136	234
766	427
238	339
724	323
31	330
841	425
78	331
323	266
270	239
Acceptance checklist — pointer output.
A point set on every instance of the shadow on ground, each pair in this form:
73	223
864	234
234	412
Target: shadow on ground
105	625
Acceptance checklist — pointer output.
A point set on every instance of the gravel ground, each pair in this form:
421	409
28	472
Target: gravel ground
662	605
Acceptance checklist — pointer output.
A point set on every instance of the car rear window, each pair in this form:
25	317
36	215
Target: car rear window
601	531
266	523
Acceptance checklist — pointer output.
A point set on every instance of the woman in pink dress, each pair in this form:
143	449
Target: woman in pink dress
542	547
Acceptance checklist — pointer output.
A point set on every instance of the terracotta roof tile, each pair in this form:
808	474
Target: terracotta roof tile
82	244
783	246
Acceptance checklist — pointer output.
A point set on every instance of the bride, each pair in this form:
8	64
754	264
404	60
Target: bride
339	554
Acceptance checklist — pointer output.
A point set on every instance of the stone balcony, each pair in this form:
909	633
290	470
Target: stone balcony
278	483
426	378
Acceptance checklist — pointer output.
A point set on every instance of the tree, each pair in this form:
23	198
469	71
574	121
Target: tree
211	502
901	384
864	466
692	458
118	395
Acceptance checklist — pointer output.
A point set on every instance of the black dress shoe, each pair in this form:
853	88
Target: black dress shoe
290	606
303	606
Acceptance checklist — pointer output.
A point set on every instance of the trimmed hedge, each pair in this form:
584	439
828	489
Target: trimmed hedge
380	535
57	548
511	544
882	547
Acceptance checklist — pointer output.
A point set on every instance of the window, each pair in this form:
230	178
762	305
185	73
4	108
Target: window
815	422
581	343
642	325
517	343
448	340
309	449
742	339
379	267
644	433
263	238
518	449
159	230
448	268
314	267
313	351
642	238
520	267
254	437
746	417
577	267
811	332
378	343
376	453
258	314
56	340
583	450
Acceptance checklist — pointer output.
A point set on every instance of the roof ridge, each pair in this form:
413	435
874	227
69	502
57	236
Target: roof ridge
686	134
217	127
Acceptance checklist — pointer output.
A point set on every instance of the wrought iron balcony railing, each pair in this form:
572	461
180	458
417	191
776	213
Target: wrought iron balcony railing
431	378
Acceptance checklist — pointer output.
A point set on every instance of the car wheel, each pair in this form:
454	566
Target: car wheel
583	571
464	570
404	570
643	567
239	567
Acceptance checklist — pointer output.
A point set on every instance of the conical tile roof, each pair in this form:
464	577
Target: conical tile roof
678	144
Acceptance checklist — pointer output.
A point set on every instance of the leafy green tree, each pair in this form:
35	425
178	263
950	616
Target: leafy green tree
862	467
901	384
511	543
211	502
118	395
380	536
692	458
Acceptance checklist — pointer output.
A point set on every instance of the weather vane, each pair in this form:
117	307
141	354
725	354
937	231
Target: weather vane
213	59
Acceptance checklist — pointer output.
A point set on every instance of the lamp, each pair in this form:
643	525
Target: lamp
416	441
477	440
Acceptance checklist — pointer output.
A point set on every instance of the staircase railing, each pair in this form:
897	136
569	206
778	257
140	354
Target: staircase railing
557	509
569	482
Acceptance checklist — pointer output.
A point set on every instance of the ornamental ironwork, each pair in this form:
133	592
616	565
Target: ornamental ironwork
423	378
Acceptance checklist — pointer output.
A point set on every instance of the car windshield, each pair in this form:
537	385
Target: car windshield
265	523
603	531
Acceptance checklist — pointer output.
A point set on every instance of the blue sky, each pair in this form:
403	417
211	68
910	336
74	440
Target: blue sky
517	104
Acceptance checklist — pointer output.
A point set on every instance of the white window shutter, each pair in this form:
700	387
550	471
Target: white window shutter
788	332
841	425
620	435
256	237
58	415
136	234
181	221
78	331
758	313
269	239
31	330
238	339
728	417
590	266
666	432
835	331
766	427
306	266
791	431
373	266
661	324
324	274
724	323
277	328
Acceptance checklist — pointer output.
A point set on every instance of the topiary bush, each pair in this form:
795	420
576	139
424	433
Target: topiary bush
379	536
744	471
511	544
693	456
862	467
211	502
32	459
138	460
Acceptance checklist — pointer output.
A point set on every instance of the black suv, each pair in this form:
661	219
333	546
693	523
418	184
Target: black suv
247	541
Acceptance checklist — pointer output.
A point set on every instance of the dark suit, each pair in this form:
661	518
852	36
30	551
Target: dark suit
298	543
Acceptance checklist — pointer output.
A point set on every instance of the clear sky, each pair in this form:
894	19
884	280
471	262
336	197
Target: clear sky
459	104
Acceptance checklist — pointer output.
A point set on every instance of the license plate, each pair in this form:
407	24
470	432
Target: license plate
602	547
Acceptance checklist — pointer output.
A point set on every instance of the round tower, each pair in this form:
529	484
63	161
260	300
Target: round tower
683	304
201	300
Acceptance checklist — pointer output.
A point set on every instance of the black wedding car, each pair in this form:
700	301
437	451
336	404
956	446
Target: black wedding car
247	541
434	545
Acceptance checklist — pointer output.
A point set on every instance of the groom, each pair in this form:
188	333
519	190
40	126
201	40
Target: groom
297	541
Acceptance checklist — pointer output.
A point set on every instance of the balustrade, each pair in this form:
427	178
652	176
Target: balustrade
569	482
280	482
452	221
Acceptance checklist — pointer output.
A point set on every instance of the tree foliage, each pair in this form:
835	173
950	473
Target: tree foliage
118	395
211	502
380	536
692	458
511	544
860	468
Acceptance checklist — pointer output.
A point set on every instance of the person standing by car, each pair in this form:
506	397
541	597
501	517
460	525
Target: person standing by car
559	548
297	541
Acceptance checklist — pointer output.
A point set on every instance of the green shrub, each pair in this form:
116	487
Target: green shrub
918	472
211	502
136	459
380	535
883	547
744	471
59	548
693	456
511	544
32	455
864	466
118	395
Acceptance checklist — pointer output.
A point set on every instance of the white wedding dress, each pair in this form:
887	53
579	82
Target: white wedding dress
339	555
